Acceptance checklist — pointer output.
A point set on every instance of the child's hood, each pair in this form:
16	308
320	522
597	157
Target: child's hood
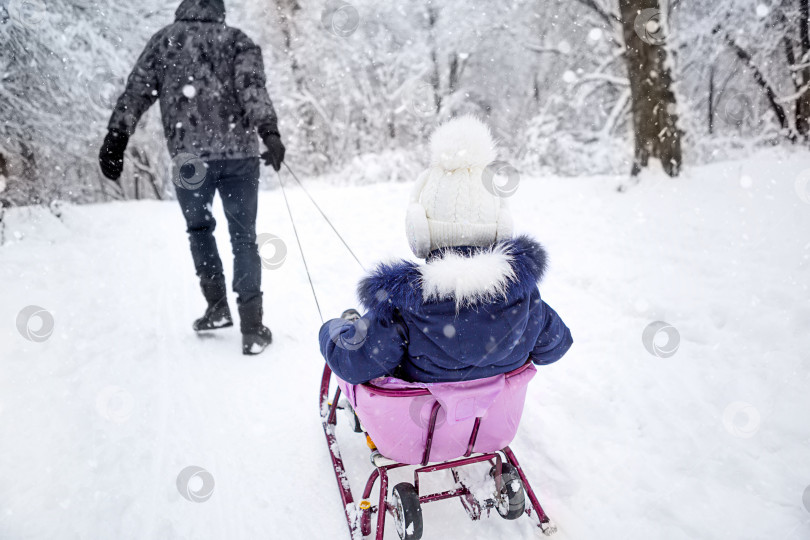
505	271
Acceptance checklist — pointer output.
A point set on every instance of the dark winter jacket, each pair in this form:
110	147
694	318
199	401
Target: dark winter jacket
468	313
210	81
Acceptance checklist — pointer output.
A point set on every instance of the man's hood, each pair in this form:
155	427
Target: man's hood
201	10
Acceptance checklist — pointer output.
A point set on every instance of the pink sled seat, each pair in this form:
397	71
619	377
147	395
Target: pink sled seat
396	414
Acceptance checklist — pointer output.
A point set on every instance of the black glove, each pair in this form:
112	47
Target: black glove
111	157
275	151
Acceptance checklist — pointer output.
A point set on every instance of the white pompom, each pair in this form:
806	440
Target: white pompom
462	143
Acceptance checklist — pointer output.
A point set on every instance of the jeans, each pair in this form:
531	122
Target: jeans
237	181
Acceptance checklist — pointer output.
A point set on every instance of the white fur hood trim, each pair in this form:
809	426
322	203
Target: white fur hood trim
481	277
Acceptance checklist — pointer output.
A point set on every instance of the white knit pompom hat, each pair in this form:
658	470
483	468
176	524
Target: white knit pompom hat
450	205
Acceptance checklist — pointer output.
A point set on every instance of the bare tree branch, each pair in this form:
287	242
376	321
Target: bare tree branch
607	16
759	77
540	49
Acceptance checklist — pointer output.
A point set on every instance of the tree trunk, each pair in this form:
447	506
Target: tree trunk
435	79
796	77
287	10
29	174
655	119
803	101
711	100
454	75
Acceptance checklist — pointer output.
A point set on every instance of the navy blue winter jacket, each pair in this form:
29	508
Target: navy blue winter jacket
467	313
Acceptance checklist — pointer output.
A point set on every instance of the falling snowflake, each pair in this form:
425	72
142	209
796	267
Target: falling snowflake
189	91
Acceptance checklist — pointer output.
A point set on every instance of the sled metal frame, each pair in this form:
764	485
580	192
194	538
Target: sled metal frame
359	519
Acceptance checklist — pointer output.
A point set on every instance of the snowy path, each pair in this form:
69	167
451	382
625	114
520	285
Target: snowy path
97	421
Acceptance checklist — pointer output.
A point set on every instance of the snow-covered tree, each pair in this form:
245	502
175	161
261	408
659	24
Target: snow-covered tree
568	87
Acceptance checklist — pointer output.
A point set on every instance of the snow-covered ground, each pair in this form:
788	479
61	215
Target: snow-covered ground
98	420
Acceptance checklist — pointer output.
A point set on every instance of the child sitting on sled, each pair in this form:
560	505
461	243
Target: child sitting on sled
472	309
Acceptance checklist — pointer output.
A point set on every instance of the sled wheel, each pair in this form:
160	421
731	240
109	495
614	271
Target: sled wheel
511	501
407	512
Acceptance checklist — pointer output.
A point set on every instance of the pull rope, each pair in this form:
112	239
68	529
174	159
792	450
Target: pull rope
301	249
322	214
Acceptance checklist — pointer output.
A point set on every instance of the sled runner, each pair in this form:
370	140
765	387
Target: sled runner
434	427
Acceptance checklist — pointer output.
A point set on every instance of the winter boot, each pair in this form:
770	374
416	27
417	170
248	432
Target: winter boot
255	343
218	314
255	336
